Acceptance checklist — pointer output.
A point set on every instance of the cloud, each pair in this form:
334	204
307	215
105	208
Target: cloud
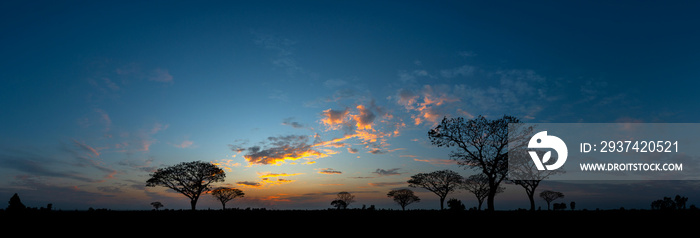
226	164
92	152
437	161
382	172
111	85
279	150
387	184
283	48
273	175
329	171
334	83
158	127
288	122
249	184
104	117
352	150
410	76
521	93
426	103
185	144
368	123
37	166
364	118
279	181
335	119
465	70
161	75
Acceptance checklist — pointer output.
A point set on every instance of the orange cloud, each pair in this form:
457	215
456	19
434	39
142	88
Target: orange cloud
334	118
364	118
282	149
279	181
361	123
226	164
276	198
426	103
272	175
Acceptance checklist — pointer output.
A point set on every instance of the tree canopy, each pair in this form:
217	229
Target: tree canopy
188	178
481	144
550	196
440	182
343	200
403	197
225	195
478	184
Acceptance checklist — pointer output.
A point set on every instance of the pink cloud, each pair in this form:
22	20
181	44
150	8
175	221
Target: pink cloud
185	144
87	148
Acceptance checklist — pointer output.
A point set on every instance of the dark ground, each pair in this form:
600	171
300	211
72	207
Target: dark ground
358	221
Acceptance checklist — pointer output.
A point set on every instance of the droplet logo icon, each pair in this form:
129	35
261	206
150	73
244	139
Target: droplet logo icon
543	141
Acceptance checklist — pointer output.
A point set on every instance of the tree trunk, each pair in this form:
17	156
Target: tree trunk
442	201
193	203
493	187
530	195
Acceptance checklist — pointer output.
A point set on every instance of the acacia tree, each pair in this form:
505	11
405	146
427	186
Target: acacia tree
478	184
481	145
440	182
226	194
338	204
343	200
403	197
188	178
550	196
157	205
521	170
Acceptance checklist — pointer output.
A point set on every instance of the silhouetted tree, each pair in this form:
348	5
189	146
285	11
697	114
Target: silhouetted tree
482	145
156	205
339	204
455	205
440	182
344	199
572	205
478	184
680	201
403	197
226	194
669	204
15	204
521	170
559	206
550	196
188	178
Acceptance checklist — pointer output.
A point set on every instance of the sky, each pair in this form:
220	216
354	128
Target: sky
300	100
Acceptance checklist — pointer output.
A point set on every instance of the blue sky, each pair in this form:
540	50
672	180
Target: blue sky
95	95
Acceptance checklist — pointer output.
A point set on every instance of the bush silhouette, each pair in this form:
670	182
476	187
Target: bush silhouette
15	204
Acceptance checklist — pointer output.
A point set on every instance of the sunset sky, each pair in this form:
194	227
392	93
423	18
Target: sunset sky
300	100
